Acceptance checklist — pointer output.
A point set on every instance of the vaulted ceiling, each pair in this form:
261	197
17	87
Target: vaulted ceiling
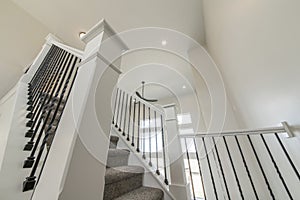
66	18
26	23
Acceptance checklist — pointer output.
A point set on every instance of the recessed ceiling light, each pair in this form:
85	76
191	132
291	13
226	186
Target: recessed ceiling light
183	86
164	42
81	34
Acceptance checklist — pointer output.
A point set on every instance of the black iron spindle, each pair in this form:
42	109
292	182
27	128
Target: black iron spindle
115	106
57	86
164	150
37	111
276	167
190	168
133	122
246	167
118	109
125	114
129	117
287	156
210	170
139	126
46	87
144	131
48	66
64	82
45	81
261	168
156	134
200	170
150	150
233	168
121	115
37	116
221	168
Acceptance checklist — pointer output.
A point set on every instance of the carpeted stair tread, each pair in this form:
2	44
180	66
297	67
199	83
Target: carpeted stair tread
117	157
116	174
143	193
118	152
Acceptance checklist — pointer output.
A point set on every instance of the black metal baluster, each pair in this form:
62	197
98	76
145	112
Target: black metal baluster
58	84
261	168
27	185
49	66
287	156
139	125
129	117
115	106
164	150
46	80
133	122
276	167
144	131
125	114
121	116
221	167
47	84
36	80
67	97
210	170
42	82
150	150
118	109
37	114
233	168
41	70
157	163
246	167
200	171
190	168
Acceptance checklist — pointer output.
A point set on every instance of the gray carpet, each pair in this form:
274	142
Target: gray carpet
124	182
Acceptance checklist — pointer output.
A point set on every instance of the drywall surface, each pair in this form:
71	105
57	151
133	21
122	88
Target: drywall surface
6	110
22	36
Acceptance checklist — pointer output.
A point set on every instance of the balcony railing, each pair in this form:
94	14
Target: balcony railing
238	158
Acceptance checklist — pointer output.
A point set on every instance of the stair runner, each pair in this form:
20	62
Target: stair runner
123	181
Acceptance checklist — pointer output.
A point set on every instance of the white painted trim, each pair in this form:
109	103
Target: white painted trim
52	39
98	55
100	27
10	93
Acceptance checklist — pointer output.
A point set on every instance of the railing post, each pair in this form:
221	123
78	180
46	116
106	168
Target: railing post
178	186
92	108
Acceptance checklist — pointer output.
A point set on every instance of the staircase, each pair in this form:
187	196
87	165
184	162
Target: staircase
65	140
123	181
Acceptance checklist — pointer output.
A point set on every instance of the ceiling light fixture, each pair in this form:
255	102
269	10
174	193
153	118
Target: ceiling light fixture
164	42
81	34
183	86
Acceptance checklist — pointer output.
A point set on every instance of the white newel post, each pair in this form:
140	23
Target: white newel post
93	92
178	187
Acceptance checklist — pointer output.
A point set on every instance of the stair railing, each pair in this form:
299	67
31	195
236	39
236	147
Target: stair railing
194	143
48	92
143	126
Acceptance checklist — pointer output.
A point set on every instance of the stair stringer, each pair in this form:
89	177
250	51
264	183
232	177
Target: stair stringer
151	179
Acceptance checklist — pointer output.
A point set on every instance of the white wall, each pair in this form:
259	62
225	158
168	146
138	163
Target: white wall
6	110
21	39
256	45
